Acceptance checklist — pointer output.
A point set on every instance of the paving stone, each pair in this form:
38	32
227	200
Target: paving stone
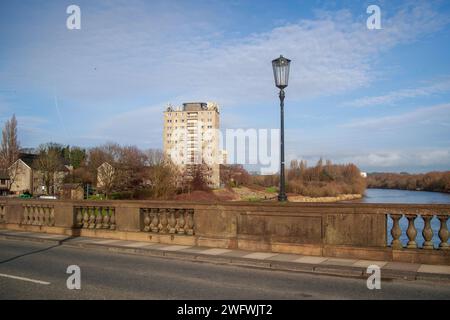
139	244
106	241
215	251
53	236
195	249
339	262
260	255
235	253
312	260
366	263
174	248
159	246
285	257
412	267
81	239
26	234
427	268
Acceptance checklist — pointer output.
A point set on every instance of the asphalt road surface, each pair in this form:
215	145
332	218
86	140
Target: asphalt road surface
31	270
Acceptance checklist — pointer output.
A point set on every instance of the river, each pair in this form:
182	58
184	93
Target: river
405	196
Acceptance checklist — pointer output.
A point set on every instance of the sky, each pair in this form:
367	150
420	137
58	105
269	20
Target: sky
377	98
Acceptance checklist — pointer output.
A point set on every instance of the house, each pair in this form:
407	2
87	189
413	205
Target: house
26	177
5	182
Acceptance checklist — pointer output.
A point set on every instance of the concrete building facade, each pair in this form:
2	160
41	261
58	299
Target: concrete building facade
191	137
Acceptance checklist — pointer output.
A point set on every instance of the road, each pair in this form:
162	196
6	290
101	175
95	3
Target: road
32	270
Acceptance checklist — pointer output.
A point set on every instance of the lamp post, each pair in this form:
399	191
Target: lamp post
281	74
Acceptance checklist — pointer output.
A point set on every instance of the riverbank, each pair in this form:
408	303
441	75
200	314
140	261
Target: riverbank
258	194
342	197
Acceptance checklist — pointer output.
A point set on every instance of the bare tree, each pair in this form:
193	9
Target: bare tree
162	174
48	163
199	180
107	178
234	175
10	149
131	168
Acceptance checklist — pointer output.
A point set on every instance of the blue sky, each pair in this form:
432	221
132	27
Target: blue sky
378	98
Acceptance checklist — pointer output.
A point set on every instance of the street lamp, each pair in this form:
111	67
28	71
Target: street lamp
281	75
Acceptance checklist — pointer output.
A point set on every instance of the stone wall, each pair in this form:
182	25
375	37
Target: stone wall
336	230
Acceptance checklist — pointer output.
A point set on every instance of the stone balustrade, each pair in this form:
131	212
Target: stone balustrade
417	231
95	217
390	232
38	215
168	220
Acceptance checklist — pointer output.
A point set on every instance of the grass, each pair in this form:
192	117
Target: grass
272	189
252	199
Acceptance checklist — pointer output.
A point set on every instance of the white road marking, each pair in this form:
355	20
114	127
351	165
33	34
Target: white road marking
24	279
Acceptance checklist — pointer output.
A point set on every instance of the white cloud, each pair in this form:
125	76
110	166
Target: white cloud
392	97
425	115
125	50
417	159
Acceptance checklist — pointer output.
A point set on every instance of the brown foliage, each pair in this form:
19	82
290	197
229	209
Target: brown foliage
322	180
234	175
431	181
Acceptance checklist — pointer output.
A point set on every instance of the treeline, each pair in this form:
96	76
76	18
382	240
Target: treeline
121	172
322	180
431	181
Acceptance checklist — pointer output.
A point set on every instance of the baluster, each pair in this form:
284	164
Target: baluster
39	215
181	221
112	212
396	231
443	232
106	219
172	221
190	222
163	220
29	215
411	231
52	216
427	232
45	215
25	215
86	217
99	218
147	219
92	218
155	221
78	217
35	216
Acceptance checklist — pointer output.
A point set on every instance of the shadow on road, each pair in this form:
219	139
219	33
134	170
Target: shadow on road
60	243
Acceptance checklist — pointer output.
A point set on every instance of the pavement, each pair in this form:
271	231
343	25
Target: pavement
263	260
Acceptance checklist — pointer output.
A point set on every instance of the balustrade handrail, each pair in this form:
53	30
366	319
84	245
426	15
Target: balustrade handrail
380	206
